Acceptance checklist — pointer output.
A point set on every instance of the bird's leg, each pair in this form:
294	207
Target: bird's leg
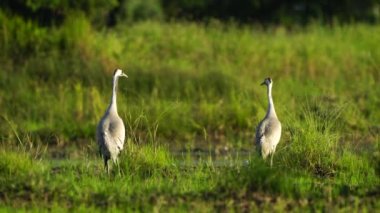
106	165
271	160
118	166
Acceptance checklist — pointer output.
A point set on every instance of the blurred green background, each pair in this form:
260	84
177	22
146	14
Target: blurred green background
194	67
110	13
190	105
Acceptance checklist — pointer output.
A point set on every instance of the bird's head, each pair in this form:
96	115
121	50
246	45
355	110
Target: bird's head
118	73
268	81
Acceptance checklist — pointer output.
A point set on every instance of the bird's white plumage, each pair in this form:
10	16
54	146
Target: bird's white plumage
110	132
268	132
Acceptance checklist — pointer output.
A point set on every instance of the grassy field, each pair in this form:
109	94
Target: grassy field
192	88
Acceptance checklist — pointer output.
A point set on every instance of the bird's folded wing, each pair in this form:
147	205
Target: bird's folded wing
260	132
110	140
119	143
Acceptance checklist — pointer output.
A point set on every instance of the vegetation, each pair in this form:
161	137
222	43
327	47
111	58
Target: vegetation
108	13
192	88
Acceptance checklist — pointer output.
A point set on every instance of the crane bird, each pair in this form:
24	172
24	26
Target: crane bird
268	132
110	132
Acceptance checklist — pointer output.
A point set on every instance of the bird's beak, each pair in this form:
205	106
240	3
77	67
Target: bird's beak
124	75
262	83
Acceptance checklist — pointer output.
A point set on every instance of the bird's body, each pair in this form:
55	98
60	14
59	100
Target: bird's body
110	132
268	132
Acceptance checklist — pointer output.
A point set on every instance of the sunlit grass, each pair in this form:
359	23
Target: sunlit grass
209	80
192	87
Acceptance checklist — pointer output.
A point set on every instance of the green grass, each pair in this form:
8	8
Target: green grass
157	181
190	87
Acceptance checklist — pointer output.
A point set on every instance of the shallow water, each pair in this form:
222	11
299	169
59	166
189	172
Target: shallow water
181	158
196	158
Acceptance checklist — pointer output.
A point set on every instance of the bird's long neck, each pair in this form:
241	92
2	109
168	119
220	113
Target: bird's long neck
113	106
270	111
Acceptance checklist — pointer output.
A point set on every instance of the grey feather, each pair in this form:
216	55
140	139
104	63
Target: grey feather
110	132
268	132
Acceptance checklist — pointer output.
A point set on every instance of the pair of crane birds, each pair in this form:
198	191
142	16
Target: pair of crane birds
110	132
